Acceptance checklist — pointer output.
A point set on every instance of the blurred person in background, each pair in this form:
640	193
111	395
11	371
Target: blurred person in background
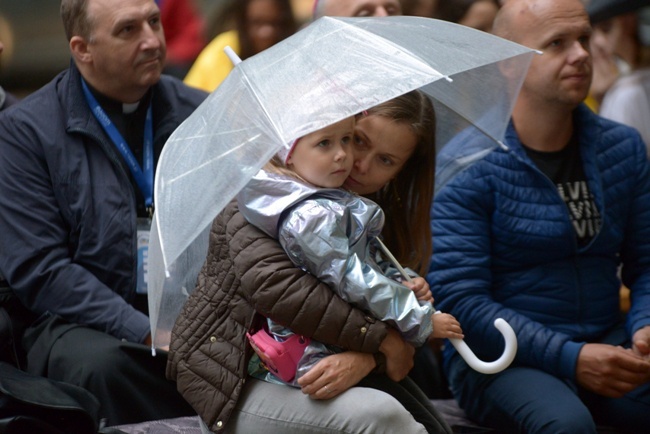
259	24
420	8
478	14
6	99
356	8
621	45
220	18
183	27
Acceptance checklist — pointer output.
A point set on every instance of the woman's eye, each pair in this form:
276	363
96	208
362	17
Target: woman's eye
386	161
358	143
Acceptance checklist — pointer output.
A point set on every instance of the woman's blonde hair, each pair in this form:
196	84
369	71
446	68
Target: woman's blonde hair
406	199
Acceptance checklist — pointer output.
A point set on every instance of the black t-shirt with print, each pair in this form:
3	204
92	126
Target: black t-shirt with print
565	169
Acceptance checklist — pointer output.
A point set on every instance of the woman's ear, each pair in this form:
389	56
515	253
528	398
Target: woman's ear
79	50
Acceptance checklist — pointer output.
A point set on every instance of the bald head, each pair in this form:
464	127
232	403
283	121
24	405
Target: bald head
516	17
356	8
558	79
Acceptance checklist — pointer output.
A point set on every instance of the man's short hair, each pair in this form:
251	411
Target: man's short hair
76	21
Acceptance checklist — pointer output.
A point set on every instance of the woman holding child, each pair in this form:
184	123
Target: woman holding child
248	277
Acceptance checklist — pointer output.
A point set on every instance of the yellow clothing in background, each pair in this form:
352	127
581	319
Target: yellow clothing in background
592	103
213	65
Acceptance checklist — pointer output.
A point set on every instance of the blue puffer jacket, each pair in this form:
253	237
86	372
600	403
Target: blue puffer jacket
67	207
504	247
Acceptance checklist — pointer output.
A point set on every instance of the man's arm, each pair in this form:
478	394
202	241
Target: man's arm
36	249
462	282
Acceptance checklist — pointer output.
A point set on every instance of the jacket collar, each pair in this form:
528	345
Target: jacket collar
80	118
584	121
267	196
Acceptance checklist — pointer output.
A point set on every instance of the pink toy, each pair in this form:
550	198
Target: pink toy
281	358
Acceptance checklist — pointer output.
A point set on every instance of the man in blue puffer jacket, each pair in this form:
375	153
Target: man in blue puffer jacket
76	169
535	234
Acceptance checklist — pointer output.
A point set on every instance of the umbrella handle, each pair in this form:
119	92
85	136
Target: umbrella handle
466	353
490	367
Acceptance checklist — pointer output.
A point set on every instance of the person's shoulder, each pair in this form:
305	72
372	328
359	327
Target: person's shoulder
611	130
39	107
607	135
180	93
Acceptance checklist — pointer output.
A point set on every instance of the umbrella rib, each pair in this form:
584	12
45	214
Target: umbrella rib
208	162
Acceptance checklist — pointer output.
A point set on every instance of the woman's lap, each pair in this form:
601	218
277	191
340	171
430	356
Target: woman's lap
271	408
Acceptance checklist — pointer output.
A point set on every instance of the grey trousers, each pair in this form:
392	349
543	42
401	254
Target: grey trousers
278	409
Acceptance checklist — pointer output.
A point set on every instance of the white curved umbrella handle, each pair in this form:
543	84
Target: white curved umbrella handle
498	365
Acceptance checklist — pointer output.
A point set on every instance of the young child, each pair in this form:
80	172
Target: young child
331	233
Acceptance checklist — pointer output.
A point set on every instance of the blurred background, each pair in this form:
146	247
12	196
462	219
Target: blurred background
35	47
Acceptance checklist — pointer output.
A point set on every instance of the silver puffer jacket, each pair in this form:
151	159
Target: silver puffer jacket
329	232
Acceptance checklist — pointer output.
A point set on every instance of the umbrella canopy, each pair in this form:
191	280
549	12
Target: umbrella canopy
332	69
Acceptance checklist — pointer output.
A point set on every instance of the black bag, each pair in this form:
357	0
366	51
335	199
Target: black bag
38	405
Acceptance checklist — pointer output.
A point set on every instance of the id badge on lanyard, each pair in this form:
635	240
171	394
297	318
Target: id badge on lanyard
144	229
143	176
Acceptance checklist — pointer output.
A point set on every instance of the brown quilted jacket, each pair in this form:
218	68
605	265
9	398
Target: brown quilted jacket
248	272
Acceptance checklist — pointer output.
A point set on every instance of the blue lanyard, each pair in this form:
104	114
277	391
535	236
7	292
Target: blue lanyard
143	176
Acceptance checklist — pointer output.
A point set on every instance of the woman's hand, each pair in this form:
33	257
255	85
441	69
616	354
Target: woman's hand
420	288
335	374
399	355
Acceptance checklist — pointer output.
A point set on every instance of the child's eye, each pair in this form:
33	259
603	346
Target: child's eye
346	140
323	143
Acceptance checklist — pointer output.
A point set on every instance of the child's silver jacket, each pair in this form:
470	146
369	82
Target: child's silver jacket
329	233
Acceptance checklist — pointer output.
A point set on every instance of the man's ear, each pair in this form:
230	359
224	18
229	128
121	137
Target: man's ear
79	50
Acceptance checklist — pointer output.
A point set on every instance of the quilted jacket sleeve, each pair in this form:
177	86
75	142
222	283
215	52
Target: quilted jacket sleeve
636	249
316	233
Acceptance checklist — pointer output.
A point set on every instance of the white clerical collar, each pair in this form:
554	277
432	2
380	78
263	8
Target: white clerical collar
127	109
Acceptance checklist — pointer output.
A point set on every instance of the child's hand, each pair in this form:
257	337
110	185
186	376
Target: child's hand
446	326
420	287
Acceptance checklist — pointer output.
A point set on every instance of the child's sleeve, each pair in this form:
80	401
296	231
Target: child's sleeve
316	234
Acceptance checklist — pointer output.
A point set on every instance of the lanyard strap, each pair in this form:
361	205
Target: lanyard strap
143	176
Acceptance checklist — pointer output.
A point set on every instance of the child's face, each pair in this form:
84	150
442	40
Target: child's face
323	157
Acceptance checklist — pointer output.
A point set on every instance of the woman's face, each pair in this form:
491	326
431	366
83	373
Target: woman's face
265	22
380	149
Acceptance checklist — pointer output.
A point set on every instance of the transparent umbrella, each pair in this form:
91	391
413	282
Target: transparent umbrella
332	69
